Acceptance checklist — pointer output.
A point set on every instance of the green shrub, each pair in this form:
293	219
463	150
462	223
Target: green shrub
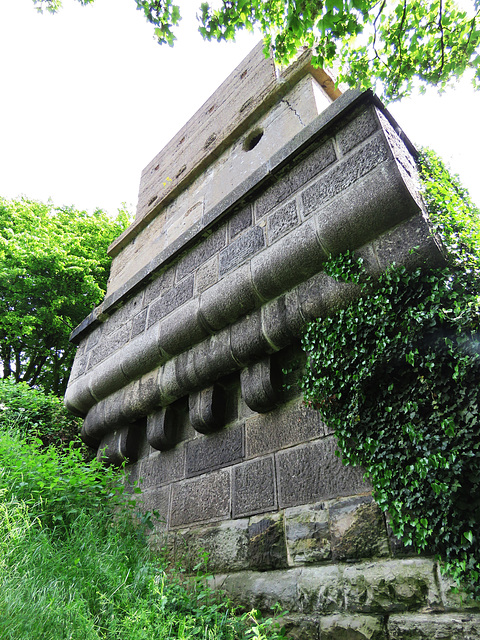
36	414
397	375
74	564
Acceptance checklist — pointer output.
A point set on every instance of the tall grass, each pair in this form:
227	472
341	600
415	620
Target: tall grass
74	564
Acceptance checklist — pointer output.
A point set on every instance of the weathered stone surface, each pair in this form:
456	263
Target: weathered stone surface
258	386
207	409
281	428
266	542
206	275
281	221
312	472
396	585
359	129
358	529
161	432
320	589
341	627
240	221
307	532
216	450
170	300
243	247
208	246
201	499
159	501
120	446
160	285
162	468
254	487
301	627
423	626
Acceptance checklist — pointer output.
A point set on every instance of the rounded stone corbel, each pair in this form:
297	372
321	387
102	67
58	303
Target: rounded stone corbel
207	409
258	388
161	429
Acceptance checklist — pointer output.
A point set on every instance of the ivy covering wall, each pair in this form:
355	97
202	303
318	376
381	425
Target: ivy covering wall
397	375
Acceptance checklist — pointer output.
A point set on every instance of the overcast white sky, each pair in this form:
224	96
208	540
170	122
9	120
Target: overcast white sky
87	99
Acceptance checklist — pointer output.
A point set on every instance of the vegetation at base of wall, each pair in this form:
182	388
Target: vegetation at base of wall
53	271
397	375
74	561
37	415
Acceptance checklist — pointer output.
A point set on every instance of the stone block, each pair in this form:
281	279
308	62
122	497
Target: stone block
206	275
109	344
261	590
424	626
281	221
312	472
225	544
363	125
341	627
358	529
243	247
391	586
119	446
254	487
138	323
170	300
266	542
159	286
320	589
345	173
260	388
307	533
240	220
283	427
207	247
161	468
161	429
299	627
181	329
156	500
201	499
207	411
213	451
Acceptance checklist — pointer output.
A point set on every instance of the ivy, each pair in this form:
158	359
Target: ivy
397	375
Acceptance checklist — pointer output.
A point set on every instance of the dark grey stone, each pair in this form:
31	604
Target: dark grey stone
141	354
307	534
206	275
124	313
156	500
274	323
359	129
240	220
119	447
312	472
247	340
163	467
272	197
259	388
138	323
254	487
281	221
109	344
428	626
322	295
266	548
288	261
241	248
201	499
213	451
373	204
206	248
283	427
232	297
343	175
213	358
207	409
159	285
161	429
181	329
170	300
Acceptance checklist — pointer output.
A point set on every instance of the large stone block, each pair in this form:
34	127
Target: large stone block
215	450
162	468
243	247
266	542
254	487
201	499
307	532
424	626
362	126
341	627
281	428
320	589
312	472
170	300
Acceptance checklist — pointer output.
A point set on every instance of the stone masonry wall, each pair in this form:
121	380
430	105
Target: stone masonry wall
189	369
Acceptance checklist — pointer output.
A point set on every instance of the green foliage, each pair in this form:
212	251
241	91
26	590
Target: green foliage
37	415
393	46
74	563
397	374
53	271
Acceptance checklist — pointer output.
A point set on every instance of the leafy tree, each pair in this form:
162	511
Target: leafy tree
53	271
392	45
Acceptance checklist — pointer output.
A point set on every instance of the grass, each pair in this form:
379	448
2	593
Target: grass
74	564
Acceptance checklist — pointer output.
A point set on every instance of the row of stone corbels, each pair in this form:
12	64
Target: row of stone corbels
244	346
367	209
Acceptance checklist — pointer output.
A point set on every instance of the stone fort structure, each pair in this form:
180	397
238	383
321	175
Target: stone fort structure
188	370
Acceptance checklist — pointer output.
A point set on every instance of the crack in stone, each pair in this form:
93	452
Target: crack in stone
294	111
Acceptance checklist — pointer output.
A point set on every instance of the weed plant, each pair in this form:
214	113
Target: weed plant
74	564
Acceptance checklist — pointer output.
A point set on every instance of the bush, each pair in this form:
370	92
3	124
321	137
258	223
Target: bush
397	375
36	414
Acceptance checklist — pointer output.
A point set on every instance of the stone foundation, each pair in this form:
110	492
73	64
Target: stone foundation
189	369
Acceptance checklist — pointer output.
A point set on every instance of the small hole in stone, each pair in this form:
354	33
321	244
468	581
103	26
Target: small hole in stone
152	200
243	74
212	109
182	140
252	140
157	167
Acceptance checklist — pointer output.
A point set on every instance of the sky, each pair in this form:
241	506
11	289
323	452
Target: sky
88	98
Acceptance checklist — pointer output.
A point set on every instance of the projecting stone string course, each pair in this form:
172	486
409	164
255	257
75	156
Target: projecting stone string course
188	370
